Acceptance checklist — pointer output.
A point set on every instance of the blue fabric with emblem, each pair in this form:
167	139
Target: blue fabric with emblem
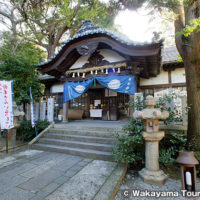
73	90
122	84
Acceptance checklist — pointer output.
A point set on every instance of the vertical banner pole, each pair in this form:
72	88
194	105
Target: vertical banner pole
13	139
7	141
13	116
35	130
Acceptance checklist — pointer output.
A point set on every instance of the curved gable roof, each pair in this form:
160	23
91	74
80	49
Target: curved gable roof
93	36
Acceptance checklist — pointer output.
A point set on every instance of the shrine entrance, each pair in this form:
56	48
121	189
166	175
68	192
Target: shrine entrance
107	105
101	103
102	56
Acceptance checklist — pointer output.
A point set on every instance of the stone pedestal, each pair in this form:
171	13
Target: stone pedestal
153	177
152	174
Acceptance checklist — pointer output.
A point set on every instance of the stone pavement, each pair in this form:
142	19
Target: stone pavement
36	175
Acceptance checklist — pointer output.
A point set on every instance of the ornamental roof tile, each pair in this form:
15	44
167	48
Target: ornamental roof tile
170	54
88	29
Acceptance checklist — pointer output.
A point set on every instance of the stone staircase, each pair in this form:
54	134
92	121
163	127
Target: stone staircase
88	140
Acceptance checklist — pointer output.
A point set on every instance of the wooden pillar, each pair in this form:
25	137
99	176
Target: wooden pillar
65	111
131	99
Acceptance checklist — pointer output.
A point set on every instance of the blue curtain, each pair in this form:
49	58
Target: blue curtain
73	90
122	84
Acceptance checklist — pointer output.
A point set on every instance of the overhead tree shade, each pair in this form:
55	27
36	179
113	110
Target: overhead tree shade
122	84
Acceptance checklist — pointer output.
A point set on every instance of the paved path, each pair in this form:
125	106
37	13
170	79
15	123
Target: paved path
36	175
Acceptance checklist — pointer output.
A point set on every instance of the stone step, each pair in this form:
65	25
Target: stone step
103	128
81	138
77	144
75	151
103	133
111	185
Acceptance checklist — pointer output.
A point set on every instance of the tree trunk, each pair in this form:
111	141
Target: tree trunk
51	50
192	70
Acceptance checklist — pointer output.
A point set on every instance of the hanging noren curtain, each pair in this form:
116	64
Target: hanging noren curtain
122	84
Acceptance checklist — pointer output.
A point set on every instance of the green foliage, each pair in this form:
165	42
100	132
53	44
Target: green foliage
193	27
48	23
170	145
162	103
18	64
130	147
25	132
180	59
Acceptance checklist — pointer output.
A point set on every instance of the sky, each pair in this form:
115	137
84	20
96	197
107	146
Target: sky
139	26
135	25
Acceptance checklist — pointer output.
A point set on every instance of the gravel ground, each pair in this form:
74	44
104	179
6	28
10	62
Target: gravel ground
133	182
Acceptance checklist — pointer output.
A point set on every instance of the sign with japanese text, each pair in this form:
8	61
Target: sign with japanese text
6	105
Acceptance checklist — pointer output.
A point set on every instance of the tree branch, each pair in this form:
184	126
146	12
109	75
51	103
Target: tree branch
179	24
60	33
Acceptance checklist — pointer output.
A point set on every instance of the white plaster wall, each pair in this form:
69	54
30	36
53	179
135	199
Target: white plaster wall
162	78
56	88
178	75
111	56
108	55
80	62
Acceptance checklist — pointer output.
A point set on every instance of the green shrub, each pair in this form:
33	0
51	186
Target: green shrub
130	147
26	133
170	146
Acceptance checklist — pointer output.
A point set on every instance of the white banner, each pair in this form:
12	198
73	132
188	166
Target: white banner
50	111
32	111
6	105
42	110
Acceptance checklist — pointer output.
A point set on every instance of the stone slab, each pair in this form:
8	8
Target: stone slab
37	183
37	175
112	184
88	180
16	194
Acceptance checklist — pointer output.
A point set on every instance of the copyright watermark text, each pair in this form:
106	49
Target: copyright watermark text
145	193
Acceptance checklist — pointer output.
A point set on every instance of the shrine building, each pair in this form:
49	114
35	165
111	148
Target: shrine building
96	73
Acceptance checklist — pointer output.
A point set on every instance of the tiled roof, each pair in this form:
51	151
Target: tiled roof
90	29
169	54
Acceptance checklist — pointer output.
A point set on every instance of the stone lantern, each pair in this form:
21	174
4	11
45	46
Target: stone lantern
152	174
17	114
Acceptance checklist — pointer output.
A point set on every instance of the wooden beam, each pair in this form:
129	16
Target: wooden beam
163	86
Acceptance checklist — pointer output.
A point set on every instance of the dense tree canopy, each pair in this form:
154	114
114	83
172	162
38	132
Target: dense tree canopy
19	65
47	22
